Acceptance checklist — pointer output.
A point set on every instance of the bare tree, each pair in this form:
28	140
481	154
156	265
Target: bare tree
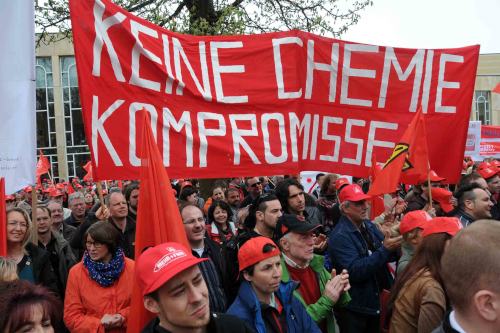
215	17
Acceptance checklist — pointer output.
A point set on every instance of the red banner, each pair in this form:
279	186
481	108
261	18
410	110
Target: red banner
261	104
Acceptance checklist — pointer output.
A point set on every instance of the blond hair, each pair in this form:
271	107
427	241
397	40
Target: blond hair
8	270
29	229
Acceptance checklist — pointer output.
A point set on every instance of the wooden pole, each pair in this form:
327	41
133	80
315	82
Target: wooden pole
99	193
429	188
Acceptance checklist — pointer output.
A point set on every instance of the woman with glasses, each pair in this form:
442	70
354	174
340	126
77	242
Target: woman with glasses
33	263
220	227
99	288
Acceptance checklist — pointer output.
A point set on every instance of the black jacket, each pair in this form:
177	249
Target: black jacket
219	323
43	272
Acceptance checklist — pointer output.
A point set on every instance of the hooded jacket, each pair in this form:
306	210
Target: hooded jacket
247	307
323	308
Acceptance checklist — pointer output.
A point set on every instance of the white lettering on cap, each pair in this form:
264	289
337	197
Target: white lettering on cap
168	258
357	190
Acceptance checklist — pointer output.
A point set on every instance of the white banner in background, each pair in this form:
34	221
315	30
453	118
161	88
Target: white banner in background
17	94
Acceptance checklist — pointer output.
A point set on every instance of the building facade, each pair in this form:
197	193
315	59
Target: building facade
60	131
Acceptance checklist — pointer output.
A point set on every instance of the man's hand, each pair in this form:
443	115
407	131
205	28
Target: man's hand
102	213
320	243
335	286
392	243
107	320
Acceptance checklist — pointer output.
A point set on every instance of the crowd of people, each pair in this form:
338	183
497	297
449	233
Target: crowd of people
263	256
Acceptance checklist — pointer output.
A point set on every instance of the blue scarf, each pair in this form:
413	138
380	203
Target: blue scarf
105	273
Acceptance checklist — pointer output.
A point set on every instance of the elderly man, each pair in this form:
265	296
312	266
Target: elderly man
358	246
58	224
470	268
474	203
319	290
76	203
174	290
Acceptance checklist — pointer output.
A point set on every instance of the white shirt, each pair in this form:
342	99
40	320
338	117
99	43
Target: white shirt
454	324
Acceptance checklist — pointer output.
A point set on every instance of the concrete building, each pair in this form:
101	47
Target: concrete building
60	131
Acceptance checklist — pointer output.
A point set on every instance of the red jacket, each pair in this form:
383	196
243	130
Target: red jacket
86	301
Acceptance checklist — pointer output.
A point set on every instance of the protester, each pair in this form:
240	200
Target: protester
262	217
292	197
474	203
89	201
99	287
76	202
492	176
61	256
33	263
25	307
131	193
220	227
418	198
319	290
320	178
328	202
174	290
237	183
234	201
263	301
214	270
254	188
8	270
218	194
189	195
358	246
470	268
418	299
58	224
442	201
410	228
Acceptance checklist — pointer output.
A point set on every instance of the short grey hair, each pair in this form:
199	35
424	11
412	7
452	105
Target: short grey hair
75	195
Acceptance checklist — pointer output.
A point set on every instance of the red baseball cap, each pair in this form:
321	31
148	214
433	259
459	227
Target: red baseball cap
60	186
55	193
341	182
483	165
9	197
412	220
488	173
442	196
449	225
157	265
352	192
252	252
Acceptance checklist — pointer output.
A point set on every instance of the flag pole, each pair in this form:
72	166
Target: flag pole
99	193
34	204
429	186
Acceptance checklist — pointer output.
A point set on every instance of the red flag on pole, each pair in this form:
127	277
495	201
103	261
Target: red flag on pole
409	161
158	217
3	220
88	167
497	88
43	165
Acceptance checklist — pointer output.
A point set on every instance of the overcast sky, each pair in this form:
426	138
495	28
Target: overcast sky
430	24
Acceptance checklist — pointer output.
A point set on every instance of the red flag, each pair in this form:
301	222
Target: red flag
43	165
88	168
158	217
70	189
3	220
409	161
376	202
497	88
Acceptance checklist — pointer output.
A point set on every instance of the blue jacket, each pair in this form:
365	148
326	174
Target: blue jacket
348	250
247	307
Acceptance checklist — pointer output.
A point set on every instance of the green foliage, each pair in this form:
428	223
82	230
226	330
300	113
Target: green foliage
218	17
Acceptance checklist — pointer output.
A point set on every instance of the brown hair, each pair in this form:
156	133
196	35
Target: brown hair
428	256
17	300
105	233
327	181
472	262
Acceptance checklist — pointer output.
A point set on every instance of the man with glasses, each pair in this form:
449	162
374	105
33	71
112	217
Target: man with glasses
357	246
254	189
214	269
319	290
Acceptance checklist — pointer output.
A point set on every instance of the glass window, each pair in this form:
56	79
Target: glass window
482	106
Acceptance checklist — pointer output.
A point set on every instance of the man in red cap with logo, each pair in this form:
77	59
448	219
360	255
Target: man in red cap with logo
418	197
264	302
410	228
173	289
358	246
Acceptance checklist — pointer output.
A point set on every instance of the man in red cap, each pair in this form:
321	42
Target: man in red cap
474	203
492	176
358	246
174	289
263	301
410	228
442	201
